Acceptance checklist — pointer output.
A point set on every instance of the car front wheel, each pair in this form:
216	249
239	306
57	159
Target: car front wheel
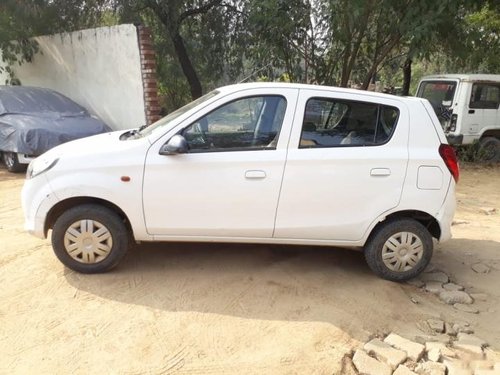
399	249
11	161
90	238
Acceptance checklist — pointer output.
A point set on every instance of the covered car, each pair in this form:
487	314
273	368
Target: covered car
34	120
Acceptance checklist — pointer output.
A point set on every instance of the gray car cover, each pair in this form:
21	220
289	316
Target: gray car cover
34	120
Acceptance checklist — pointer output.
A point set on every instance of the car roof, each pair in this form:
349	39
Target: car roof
302	86
465	77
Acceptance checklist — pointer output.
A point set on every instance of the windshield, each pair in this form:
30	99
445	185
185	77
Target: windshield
439	93
19	99
172	116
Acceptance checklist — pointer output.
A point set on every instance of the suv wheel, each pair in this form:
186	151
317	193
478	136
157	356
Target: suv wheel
89	238
489	149
399	250
12	162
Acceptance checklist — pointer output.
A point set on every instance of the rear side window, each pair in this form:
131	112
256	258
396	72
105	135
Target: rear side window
336	123
485	96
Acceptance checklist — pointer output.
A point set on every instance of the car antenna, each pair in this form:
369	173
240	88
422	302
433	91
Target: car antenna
255	72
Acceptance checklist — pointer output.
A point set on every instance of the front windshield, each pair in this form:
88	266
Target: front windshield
178	112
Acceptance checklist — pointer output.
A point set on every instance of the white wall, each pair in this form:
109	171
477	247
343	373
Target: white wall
98	68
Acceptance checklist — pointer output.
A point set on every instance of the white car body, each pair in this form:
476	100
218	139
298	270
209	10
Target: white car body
290	194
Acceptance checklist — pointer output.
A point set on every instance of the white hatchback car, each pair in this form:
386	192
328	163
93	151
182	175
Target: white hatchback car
255	163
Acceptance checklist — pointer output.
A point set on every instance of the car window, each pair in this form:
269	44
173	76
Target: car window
485	96
243	124
333	123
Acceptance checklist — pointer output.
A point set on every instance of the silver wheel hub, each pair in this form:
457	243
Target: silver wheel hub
402	251
88	241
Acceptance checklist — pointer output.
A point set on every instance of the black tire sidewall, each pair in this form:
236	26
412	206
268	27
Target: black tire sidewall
490	142
374	246
16	166
104	216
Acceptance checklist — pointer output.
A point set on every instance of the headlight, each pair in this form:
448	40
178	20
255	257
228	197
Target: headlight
40	165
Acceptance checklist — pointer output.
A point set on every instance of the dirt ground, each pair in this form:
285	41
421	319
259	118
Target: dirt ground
224	309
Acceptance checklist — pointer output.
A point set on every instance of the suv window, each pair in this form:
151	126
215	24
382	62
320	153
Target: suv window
251	123
485	96
334	123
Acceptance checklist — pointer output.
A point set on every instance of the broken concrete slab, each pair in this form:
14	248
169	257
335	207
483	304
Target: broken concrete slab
403	370
440	347
431	368
413	349
368	365
385	353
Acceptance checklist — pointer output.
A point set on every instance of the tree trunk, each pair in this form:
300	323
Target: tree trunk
187	65
406	76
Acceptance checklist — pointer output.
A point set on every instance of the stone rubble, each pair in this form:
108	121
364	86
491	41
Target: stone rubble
465	354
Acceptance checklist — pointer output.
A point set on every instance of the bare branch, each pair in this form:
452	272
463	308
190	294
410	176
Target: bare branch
200	10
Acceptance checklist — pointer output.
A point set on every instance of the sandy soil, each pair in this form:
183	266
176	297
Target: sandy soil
223	309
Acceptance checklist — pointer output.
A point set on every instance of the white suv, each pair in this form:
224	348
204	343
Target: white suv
255	163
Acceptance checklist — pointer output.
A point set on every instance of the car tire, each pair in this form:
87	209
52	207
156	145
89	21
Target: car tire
90	238
399	249
11	161
489	149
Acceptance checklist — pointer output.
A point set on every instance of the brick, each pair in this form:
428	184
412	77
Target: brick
455	367
403	370
441	348
470	343
431	368
368	365
413	350
386	353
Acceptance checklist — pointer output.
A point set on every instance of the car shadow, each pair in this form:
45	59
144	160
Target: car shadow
270	282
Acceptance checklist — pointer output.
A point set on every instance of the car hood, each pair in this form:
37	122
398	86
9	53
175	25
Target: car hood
34	134
98	147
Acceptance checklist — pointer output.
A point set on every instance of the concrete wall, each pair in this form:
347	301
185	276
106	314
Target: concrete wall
98	68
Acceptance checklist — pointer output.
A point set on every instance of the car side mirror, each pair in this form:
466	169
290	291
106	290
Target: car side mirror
176	145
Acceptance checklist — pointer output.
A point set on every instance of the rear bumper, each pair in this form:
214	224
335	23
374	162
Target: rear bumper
446	213
455	140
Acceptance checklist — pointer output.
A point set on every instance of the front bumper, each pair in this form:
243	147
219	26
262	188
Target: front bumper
37	199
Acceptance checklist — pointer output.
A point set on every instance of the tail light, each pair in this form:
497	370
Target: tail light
450	159
453	123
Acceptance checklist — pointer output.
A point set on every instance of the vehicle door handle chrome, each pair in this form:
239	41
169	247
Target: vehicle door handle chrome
380	172
255	174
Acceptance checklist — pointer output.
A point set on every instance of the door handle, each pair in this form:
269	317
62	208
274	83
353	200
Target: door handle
471	111
255	174
380	172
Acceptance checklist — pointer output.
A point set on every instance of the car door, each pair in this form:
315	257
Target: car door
227	184
484	106
346	165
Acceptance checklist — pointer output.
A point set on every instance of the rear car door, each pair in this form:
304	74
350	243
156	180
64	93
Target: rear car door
346	165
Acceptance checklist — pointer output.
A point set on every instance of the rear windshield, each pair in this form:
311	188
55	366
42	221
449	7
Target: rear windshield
438	93
17	99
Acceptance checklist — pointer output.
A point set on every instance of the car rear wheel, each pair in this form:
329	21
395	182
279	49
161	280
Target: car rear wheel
90	239
11	161
399	249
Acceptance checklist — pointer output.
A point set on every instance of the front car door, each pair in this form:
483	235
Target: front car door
346	165
227	185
